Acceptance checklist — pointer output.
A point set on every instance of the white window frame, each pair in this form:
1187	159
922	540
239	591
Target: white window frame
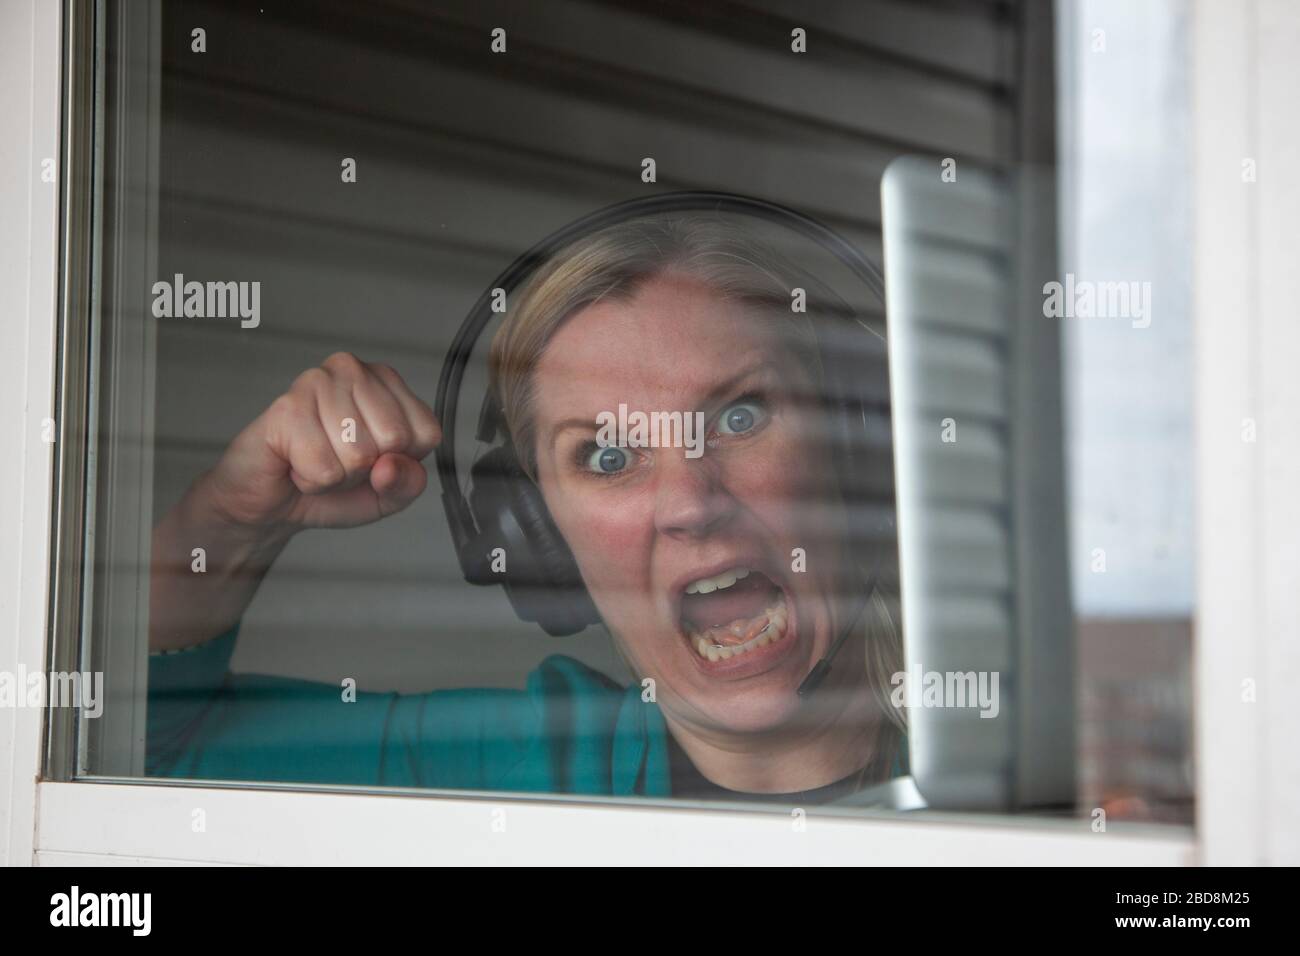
1248	560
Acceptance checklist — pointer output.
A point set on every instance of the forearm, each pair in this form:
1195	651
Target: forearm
195	597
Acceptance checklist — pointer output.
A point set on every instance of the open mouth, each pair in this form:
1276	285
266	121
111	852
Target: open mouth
733	613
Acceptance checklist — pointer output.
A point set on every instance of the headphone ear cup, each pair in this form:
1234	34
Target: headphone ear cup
568	606
540	575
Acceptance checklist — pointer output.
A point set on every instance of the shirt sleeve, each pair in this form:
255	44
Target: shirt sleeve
206	723
182	689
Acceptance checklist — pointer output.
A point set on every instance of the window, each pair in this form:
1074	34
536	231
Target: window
295	188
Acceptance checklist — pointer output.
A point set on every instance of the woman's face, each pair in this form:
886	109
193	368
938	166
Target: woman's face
660	536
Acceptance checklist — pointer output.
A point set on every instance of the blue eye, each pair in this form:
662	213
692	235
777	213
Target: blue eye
607	461
741	417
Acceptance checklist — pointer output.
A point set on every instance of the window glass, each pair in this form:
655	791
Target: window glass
423	463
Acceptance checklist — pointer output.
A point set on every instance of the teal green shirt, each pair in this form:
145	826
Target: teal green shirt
570	730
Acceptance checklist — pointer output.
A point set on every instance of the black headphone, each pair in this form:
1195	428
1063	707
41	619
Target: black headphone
505	509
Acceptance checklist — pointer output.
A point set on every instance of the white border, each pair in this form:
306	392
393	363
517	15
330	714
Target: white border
1247	68
30	45
1248	766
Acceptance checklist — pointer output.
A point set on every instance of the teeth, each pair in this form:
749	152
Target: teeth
777	620
717	583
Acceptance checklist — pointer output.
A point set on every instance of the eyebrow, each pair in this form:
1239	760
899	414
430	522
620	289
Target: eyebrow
722	388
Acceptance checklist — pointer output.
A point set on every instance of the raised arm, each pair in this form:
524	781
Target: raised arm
341	448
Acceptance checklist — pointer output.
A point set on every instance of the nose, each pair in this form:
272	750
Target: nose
692	500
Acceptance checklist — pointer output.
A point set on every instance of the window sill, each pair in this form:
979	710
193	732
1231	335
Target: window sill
266	826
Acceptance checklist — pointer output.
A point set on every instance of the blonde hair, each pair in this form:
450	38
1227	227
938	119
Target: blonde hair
613	264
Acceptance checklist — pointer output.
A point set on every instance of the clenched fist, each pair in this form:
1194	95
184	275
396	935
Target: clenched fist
341	448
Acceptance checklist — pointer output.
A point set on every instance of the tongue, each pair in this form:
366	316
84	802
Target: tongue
741	606
738	631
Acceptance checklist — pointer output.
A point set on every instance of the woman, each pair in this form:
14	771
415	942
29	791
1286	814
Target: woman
722	576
